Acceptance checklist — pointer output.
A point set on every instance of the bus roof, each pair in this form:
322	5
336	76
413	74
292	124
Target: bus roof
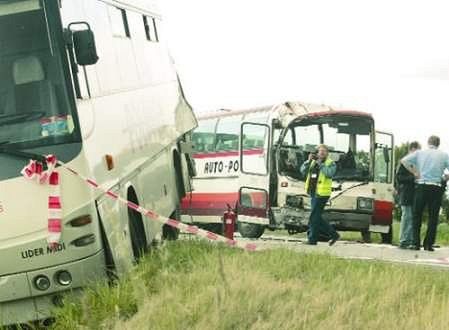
286	111
148	6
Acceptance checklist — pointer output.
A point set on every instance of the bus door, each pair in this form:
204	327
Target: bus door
254	174
384	171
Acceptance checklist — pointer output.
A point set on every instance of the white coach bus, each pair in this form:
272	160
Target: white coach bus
119	118
252	159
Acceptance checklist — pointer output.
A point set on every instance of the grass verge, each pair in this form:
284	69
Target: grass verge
197	285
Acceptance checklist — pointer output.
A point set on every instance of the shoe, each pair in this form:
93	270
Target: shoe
404	247
333	240
415	247
429	248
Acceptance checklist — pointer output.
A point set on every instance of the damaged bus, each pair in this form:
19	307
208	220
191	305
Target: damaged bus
92	83
252	158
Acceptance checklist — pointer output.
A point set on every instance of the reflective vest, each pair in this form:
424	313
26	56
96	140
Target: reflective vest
324	184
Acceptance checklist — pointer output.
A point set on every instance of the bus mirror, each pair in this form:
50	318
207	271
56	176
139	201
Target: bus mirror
85	48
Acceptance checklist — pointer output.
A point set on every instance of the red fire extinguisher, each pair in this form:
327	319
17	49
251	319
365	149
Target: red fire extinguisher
229	218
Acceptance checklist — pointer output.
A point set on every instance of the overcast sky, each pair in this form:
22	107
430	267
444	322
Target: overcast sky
390	58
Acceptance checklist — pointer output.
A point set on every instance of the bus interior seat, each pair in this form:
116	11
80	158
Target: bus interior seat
347	160
33	91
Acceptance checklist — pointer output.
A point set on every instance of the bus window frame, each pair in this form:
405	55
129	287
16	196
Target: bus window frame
214	132
241	150
61	48
56	34
238	127
301	119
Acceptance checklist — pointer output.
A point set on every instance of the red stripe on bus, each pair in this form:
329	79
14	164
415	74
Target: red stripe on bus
208	203
204	212
212	204
227	153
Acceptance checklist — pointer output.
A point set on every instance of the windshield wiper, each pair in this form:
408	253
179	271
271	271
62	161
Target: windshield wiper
5	148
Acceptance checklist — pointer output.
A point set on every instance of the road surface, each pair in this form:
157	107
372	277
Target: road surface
360	251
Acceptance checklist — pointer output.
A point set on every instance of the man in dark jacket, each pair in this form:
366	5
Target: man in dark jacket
405	186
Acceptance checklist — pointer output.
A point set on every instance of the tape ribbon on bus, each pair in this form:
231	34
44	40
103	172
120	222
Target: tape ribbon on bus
34	171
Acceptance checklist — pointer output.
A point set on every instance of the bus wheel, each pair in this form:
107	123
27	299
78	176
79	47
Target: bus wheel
250	230
136	230
388	237
170	233
366	236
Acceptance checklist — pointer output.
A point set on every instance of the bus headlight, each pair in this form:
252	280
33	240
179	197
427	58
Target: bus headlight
365	204
42	282
295	201
64	278
84	240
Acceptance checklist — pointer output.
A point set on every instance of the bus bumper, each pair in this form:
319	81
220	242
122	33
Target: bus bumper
348	220
21	302
342	220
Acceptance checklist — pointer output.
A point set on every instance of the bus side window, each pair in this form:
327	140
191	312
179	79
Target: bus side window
151	30
203	137
119	22
228	132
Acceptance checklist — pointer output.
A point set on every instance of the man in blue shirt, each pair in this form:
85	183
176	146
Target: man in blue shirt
428	167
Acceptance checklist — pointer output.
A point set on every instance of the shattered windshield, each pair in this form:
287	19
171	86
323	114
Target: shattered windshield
34	105
349	141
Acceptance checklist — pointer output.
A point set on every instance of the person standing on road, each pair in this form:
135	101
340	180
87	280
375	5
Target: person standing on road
405	186
319	170
428	167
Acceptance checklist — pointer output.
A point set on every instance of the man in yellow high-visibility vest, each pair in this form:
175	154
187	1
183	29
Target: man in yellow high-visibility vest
319	169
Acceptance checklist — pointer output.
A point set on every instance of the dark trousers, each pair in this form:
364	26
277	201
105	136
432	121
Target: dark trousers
430	196
317	225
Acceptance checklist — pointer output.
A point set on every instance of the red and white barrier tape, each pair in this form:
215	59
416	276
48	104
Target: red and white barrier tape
31	173
35	171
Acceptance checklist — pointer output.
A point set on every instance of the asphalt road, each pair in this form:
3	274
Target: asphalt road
360	251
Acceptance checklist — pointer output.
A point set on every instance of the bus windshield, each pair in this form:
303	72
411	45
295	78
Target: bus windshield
34	105
349	141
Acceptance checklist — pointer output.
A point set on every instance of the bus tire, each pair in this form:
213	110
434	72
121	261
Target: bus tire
388	237
109	259
136	229
170	233
250	230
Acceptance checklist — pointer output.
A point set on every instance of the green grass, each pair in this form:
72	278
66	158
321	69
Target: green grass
442	236
197	285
